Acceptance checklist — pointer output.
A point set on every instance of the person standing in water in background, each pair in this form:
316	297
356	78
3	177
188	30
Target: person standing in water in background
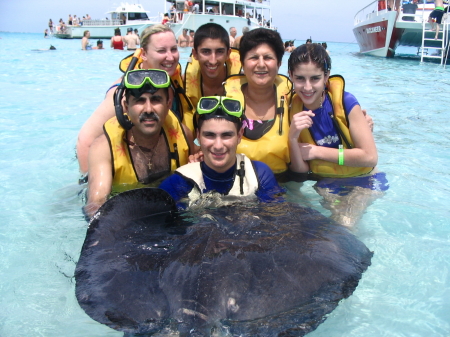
117	40
85	45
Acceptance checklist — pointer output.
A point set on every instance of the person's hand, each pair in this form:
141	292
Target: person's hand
195	158
369	119
300	121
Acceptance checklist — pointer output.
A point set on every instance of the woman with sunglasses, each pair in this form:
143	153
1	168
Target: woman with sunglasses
223	171
330	138
159	51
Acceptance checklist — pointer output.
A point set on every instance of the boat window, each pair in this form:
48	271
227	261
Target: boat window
137	16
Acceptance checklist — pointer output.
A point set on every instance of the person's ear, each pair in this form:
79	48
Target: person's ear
194	54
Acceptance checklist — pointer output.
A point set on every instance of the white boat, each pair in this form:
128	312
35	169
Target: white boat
379	31
227	13
125	16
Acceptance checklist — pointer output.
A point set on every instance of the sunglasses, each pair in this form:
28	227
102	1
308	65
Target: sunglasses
210	104
136	79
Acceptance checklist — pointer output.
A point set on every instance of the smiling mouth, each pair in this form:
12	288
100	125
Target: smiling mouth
308	94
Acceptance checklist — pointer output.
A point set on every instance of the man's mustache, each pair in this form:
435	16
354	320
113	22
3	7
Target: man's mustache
149	116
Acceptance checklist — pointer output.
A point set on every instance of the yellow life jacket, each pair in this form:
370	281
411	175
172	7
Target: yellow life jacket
335	86
273	147
123	168
193	81
184	105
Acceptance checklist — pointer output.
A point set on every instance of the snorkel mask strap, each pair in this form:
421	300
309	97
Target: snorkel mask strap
122	118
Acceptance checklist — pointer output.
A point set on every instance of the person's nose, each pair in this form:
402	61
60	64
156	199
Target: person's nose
307	85
218	144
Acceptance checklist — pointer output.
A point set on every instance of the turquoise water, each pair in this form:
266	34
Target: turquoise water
46	97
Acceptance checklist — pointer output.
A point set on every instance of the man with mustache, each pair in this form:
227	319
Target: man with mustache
143	144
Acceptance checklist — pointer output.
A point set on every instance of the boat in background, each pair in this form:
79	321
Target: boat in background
379	30
123	17
227	13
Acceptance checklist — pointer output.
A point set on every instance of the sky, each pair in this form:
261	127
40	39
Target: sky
326	20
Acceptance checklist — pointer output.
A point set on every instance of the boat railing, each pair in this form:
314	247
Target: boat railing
379	7
102	22
369	11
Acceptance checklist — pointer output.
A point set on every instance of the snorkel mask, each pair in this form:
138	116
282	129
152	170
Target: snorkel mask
138	82
219	106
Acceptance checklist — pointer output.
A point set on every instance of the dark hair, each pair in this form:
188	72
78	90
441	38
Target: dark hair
211	31
324	44
128	91
306	53
258	36
99	42
117	32
236	121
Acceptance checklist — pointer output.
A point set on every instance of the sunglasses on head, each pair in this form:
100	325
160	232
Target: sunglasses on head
210	104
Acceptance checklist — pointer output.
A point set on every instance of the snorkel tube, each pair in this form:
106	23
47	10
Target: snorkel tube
122	118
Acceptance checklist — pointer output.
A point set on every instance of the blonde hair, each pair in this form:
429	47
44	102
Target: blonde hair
149	31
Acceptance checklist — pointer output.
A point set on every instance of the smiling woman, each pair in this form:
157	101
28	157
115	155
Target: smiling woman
265	95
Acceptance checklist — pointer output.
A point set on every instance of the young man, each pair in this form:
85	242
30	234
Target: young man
222	170
143	144
212	62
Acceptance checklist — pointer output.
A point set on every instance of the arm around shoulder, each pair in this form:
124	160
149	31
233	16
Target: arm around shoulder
93	128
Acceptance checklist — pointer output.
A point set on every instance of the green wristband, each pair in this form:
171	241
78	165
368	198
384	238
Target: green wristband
341	155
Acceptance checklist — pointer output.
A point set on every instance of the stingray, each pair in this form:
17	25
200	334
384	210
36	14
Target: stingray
267	269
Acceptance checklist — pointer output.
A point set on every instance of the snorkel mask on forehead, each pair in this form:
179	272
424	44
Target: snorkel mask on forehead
138	82
219	106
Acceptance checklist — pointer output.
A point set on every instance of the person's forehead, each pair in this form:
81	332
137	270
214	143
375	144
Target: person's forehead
209	43
218	126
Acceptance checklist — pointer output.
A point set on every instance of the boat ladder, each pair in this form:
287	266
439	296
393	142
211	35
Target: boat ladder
439	45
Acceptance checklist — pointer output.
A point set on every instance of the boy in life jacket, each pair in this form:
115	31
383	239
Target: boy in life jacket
211	62
222	172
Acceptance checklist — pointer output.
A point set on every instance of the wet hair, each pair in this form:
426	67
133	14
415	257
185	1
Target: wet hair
236	121
99	42
149	31
258	36
211	31
307	53
117	32
85	32
146	88
324	44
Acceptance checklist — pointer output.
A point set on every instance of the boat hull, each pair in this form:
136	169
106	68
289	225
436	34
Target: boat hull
380	32
376	36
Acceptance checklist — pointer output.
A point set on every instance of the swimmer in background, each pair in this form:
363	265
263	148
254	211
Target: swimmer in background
330	139
46	33
183	39
85	45
99	45
131	40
